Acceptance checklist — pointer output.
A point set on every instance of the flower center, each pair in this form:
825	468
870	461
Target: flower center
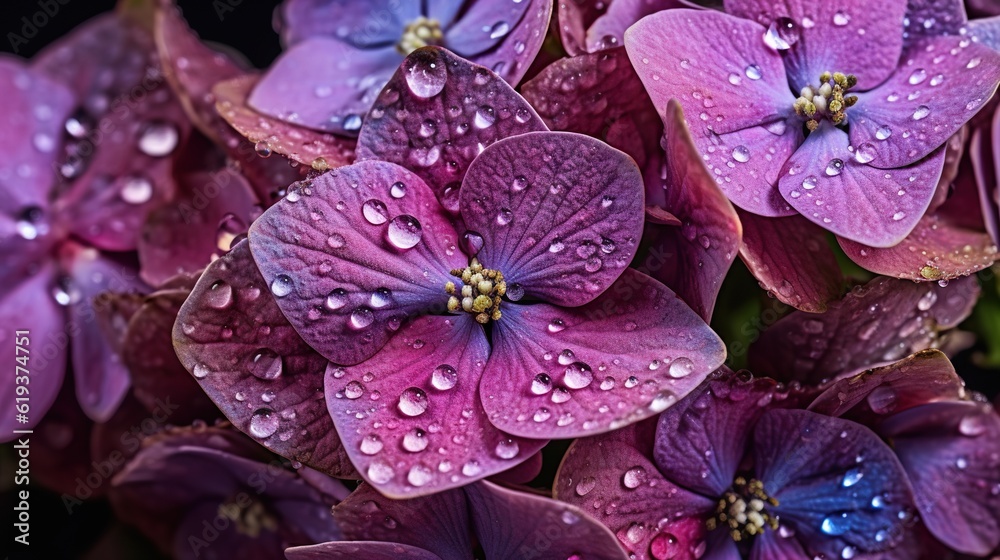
827	99
419	33
248	519
481	292
743	510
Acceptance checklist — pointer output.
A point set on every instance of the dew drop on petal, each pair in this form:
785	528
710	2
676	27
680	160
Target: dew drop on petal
136	190
809	182
354	390
585	485
336	299
921	112
741	154
404	232
362	318
507	449
444	377
681	367
159	139
883	132
371	444
281	286
375	212
541	384
841	19
266	364
413	402
578	375
415	440
834	167
865	153
782	34
380	472
427	76
634	477
219	295
753	72
397	190
556	325
851	478
263	423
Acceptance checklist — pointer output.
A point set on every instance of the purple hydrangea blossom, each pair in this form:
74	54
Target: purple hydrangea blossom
211	493
948	445
870	183
91	129
341	52
505	524
735	471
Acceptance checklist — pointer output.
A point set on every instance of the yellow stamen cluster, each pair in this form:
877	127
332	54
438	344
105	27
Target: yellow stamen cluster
481	292
827	99
743	510
419	33
249	519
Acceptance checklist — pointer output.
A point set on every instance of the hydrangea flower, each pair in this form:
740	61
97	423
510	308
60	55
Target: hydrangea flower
91	130
817	110
341	52
732	472
210	493
481	520
948	445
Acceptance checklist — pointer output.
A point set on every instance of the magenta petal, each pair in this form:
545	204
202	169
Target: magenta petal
701	441
508	525
791	259
353	253
951	452
410	417
986	31
806	461
926	101
829	185
554	370
362	24
573	18
707	242
28	306
513	57
929	18
872	325
233	338
352	550
560	213
183	236
984	153
924	377
485	25
324	84
101	378
437	113
649	508
35	108
319	150
438	523
609	28
834	37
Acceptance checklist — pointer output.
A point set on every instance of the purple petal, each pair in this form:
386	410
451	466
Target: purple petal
410	417
608	469
560	214
158	377
926	101
609	29
834	188
746	143
319	150
707	242
702	440
514	55
807	461
361	24
984	154
35	108
851	38
637	344
370	550
951	452
183	236
439	523
573	18
872	325
986	31
791	260
233	338
349	264
324	84
27	306
101	378
924	377
437	113
511	524
485	25
929	18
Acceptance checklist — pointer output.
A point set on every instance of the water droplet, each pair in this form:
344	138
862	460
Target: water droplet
937	80
735	79
809	182
263	423
883	132
541	415
835	525
379	472
263	149
362	318
413	402
556	325
504	216
898	216
219	295
354	390
520	183
266	364
336	299
753	72
927	300
665	546
427	75
972	425
578	375
634	477
471	468
841	19
200	371
882	400
136	190
541	384
961	463
781	34
472	243
556	246
865	153
159	139
375	212
499	29
397	190
515	291
833	168
281	286
917	77
485	117
681	367
741	154
404	231
371	444
585	485
415	440
973	63
921	112
43	142
380	298
851	478
507	449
